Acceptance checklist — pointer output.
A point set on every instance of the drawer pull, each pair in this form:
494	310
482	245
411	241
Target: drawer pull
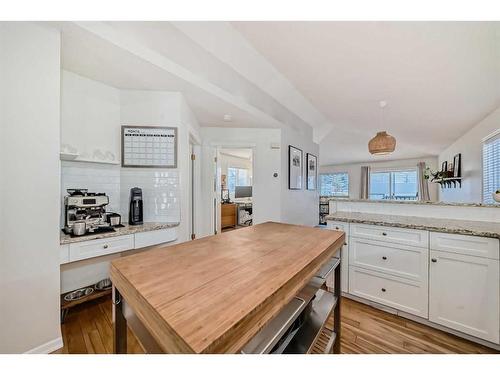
345	243
384	234
434	260
337	228
384	258
383	289
105	246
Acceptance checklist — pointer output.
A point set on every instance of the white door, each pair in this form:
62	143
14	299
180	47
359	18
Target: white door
464	294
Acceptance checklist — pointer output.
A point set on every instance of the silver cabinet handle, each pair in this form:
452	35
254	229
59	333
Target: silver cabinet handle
434	260
105	246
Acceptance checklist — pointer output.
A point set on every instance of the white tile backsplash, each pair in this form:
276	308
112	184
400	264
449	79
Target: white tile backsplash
160	188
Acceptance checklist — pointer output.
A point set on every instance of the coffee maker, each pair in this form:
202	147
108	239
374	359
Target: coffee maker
135	216
80	206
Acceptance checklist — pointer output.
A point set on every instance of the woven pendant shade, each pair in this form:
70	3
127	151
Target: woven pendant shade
382	144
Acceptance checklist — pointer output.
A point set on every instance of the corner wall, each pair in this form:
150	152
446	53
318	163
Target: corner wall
298	206
470	145
29	192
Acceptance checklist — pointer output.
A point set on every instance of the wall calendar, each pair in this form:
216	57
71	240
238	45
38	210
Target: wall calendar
149	147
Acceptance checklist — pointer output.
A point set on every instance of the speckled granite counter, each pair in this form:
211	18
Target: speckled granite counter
410	202
473	228
126	229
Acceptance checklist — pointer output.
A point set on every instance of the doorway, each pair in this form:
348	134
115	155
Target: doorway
235	174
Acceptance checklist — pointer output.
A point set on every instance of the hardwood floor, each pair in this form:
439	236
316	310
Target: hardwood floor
88	329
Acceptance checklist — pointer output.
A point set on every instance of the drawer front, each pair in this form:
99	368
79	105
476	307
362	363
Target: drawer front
338	225
402	294
411	237
466	245
63	254
95	248
155	237
400	260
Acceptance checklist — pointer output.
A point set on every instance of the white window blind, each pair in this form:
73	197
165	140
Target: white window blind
491	168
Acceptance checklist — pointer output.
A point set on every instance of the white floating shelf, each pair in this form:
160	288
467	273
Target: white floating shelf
68	155
75	157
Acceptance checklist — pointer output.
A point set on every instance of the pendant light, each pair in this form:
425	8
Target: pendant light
382	143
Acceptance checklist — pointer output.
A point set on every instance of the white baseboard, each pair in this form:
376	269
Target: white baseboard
48	347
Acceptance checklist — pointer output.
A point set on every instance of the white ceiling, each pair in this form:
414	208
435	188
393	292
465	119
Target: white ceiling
242	153
439	79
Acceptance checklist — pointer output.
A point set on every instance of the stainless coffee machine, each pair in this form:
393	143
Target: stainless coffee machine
85	212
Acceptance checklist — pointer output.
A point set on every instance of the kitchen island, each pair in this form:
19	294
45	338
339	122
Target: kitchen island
213	295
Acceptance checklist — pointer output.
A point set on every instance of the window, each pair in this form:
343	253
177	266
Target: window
334	184
237	177
400	184
491	168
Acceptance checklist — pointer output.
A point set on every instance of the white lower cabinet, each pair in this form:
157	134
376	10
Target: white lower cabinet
402	294
464	294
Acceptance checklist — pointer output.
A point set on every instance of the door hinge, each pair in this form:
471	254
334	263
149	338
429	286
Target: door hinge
193	157
193	236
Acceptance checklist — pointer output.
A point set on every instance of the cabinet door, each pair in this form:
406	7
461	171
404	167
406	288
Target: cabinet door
464	294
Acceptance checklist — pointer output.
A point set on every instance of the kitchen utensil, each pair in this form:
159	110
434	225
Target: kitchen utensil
79	227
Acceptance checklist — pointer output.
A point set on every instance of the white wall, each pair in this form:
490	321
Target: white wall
470	146
90	117
29	193
298	206
354	171
266	189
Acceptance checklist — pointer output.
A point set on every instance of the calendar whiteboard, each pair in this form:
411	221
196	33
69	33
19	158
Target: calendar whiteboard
149	147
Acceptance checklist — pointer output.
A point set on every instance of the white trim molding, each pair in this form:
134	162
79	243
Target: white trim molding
48	347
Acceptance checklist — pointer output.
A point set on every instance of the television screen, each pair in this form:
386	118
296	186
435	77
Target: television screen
242	191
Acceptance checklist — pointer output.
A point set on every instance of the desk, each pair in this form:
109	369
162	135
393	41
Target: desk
228	215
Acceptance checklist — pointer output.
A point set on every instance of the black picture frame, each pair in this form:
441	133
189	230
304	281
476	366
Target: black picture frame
311	172
444	166
457	165
295	168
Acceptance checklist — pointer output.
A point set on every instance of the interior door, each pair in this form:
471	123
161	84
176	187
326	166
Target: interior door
464	294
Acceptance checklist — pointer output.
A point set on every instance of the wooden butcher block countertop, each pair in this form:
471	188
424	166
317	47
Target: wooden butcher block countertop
213	295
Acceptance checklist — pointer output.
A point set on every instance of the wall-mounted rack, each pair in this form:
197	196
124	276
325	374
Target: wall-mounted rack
449	181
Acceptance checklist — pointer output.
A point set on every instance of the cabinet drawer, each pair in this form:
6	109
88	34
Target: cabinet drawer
402	294
466	245
412	237
399	260
155	237
63	254
338	225
95	248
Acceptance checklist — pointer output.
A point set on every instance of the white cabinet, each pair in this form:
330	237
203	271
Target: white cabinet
404	236
467	245
95	248
399	260
155	237
344	253
464	294
63	254
402	294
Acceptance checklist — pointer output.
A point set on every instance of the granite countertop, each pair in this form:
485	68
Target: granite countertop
468	227
396	201
126	229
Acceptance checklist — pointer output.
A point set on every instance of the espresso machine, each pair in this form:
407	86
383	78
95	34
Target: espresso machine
85	212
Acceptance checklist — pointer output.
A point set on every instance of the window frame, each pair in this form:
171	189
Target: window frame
391	170
336	195
489	138
249	177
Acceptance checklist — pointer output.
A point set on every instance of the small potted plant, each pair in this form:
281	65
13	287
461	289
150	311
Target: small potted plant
496	195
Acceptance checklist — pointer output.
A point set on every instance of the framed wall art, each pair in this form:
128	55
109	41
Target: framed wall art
311	171
295	170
